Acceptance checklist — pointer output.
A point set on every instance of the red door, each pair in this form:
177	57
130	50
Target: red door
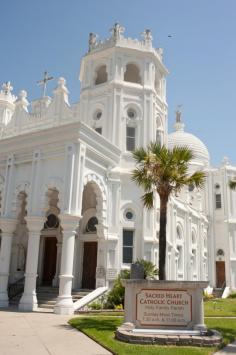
50	259
220	274
89	265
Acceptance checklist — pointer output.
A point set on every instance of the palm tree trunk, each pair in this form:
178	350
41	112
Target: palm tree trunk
162	237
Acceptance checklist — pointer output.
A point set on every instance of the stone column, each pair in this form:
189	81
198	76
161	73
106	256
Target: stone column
7	226
28	300
64	303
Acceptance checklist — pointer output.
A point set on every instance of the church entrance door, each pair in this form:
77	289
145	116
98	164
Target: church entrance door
50	259
89	265
220	274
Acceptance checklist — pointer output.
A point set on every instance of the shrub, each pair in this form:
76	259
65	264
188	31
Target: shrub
95	305
232	295
117	294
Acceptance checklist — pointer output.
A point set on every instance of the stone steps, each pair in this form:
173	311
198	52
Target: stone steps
217	292
47	296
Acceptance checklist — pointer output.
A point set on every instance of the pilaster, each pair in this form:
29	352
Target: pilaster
7	226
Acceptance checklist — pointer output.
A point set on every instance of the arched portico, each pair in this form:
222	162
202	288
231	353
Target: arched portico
90	263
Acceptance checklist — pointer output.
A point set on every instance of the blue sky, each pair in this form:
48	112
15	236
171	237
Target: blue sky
200	55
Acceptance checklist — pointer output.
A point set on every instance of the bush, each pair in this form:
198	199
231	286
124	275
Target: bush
232	295
117	294
95	306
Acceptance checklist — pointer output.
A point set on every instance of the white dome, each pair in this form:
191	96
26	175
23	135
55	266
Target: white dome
181	138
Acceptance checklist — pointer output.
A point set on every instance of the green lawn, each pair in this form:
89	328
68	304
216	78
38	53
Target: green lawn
219	307
102	328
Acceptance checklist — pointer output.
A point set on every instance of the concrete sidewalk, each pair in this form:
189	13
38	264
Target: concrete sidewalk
229	349
43	334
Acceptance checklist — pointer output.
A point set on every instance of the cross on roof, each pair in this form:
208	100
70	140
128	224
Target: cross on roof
44	81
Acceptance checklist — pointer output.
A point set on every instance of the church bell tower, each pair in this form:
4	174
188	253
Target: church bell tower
123	90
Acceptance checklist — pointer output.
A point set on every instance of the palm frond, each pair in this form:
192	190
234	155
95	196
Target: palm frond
148	200
164	170
197	179
232	184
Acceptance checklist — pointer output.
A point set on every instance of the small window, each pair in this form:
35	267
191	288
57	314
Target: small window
97	115
191	187
51	222
131	113
101	75
92	225
98	130
130	138
218	201
132	74
220	252
128	244
129	215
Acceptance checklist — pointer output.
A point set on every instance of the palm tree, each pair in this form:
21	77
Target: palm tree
164	171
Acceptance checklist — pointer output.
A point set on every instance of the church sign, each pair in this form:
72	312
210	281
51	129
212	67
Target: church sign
160	307
156	304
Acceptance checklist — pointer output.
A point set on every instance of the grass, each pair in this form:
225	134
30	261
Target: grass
103	314
226	326
101	329
219	307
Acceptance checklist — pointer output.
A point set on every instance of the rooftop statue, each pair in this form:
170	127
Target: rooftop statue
92	40
116	31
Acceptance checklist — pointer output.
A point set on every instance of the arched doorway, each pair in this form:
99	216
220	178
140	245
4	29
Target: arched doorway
50	250
49	260
89	237
220	269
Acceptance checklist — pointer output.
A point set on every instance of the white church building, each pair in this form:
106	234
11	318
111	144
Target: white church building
70	215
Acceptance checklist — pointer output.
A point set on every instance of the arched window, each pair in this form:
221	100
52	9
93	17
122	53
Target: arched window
132	74
218	200
130	138
51	222
179	234
101	75
91	226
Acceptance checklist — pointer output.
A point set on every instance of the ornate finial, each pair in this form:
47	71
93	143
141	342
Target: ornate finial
22	95
22	101
44	81
225	161
92	41
61	91
61	81
178	114
116	31
179	125
147	36
7	88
